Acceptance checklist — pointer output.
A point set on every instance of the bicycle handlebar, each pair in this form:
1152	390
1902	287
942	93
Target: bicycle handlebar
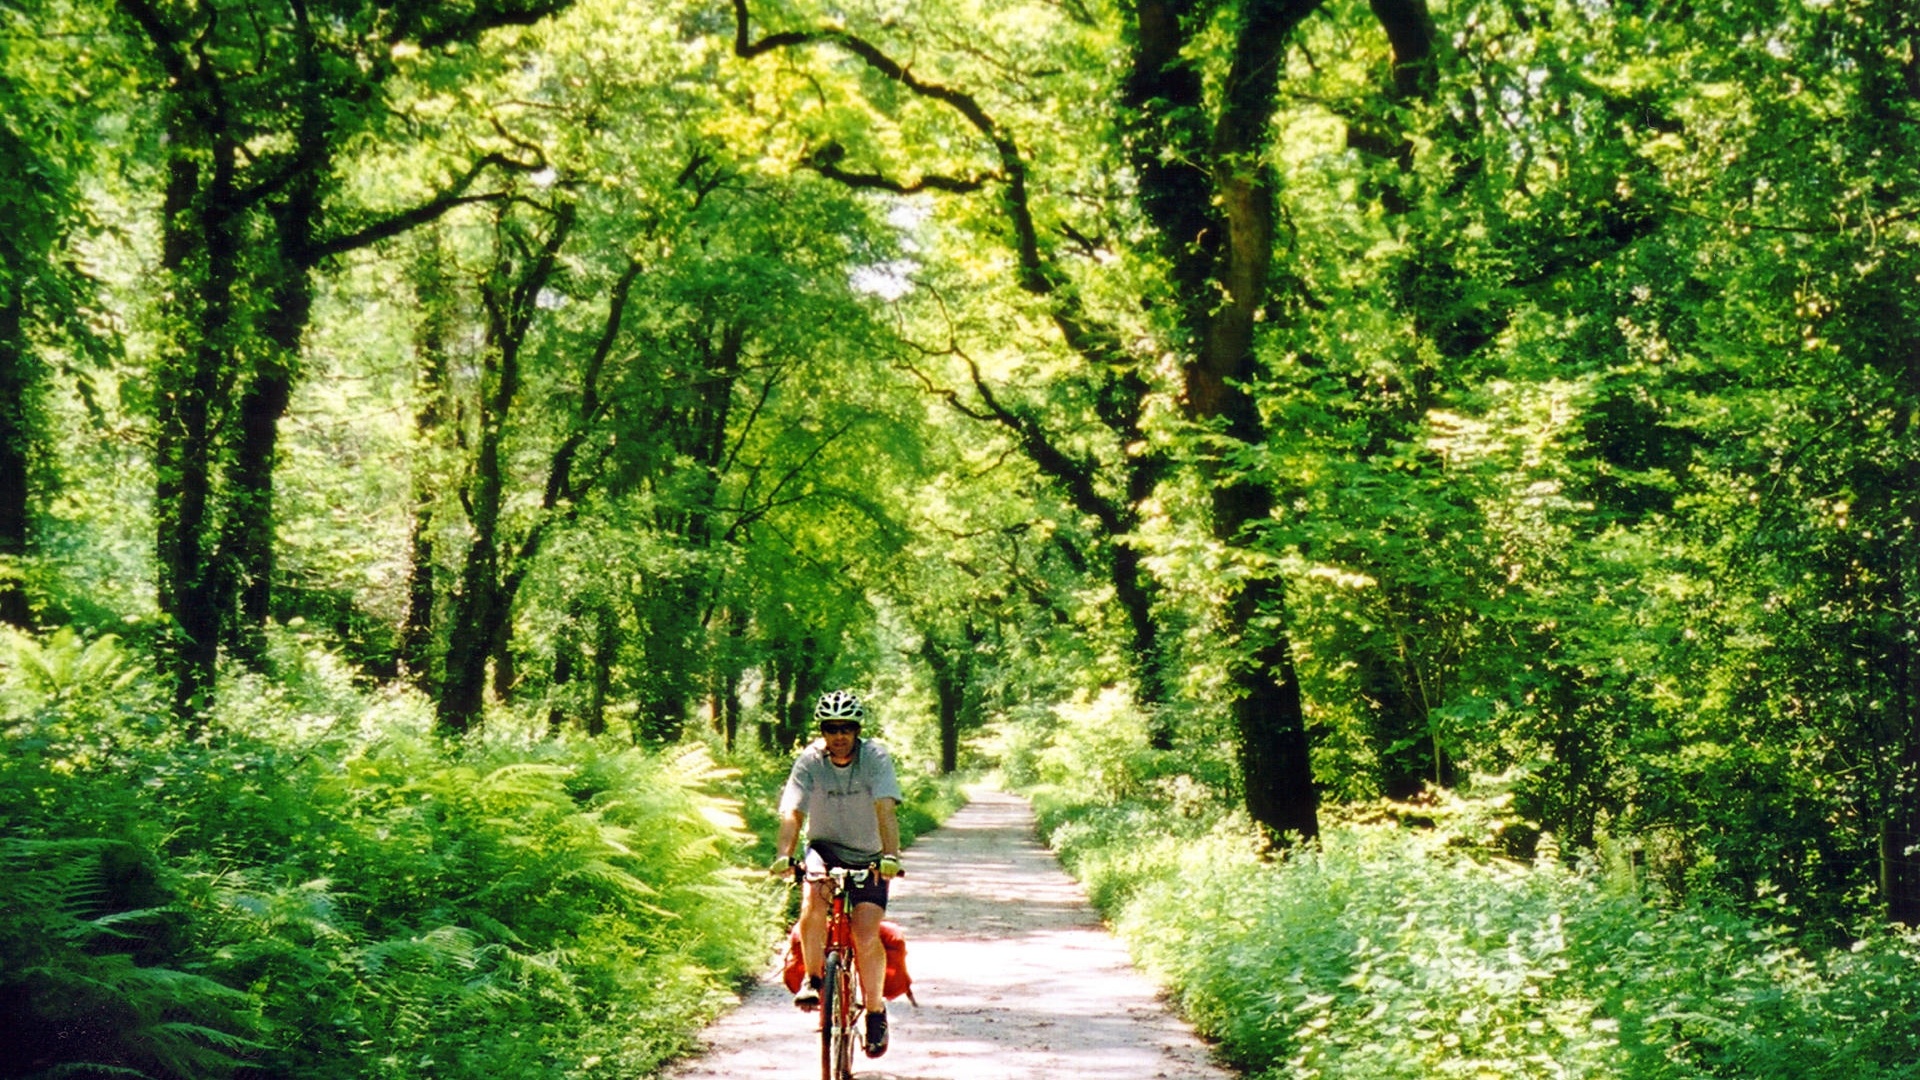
802	872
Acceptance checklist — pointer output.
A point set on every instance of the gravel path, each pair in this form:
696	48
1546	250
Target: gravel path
1016	978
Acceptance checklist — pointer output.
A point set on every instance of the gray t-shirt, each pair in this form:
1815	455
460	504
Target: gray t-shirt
838	800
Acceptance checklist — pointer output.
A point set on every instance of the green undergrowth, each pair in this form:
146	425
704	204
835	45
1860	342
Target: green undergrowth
1398	952
315	886
930	801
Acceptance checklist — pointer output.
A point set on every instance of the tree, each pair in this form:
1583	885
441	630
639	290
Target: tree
255	101
1206	187
432	337
1108	485
1203	174
526	260
28	242
44	295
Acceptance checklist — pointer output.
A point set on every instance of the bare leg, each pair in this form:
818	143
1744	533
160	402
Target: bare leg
813	930
873	955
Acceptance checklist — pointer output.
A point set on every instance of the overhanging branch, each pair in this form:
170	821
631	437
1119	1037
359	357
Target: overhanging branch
1035	275
823	162
395	224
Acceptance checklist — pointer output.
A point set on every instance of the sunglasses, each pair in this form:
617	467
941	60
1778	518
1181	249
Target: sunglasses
839	729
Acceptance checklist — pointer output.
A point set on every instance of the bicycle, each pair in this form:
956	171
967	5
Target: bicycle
842	1005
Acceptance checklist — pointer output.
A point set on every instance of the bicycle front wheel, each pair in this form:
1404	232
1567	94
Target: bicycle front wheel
838	1013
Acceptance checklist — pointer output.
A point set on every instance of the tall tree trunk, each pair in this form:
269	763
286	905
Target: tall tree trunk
773	734
1268	716
1134	589
730	709
478	608
433	336
1409	27
1275	765
1900	832
566	658
247	542
505	667
606	642
15	443
475	608
952	666
416	634
727	673
247	546
199	257
1208	191
1206	186
480	620
31	207
809	673
1276	768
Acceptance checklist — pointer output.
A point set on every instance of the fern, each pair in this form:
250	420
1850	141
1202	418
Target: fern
64	666
387	904
91	1008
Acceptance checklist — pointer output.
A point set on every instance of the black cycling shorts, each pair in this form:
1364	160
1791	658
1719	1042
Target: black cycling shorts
871	891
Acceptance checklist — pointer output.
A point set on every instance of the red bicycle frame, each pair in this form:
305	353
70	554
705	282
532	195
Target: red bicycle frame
841	1005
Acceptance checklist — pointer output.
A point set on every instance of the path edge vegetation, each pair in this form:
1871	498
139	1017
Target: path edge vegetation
317	884
1417	939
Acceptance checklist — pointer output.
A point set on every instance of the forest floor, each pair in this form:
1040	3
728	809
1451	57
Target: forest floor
1016	978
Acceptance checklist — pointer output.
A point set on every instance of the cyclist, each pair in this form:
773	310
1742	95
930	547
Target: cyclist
842	791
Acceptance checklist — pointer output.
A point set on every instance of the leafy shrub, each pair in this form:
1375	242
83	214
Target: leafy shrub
351	895
930	800
1395	952
72	993
1097	748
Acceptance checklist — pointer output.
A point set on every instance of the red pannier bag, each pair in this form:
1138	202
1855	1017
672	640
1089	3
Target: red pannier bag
898	982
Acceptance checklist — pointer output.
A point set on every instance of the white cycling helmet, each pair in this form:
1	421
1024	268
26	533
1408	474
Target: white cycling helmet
839	705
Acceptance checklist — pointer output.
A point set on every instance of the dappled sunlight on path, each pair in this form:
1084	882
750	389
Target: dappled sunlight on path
1016	978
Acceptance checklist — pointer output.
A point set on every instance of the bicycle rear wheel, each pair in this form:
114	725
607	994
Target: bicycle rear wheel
838	1013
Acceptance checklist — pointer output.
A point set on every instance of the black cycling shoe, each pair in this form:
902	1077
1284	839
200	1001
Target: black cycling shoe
808	996
876	1034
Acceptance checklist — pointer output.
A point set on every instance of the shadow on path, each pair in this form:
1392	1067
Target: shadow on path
1016	978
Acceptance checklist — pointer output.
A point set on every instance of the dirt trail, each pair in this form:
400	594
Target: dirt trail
1016	978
